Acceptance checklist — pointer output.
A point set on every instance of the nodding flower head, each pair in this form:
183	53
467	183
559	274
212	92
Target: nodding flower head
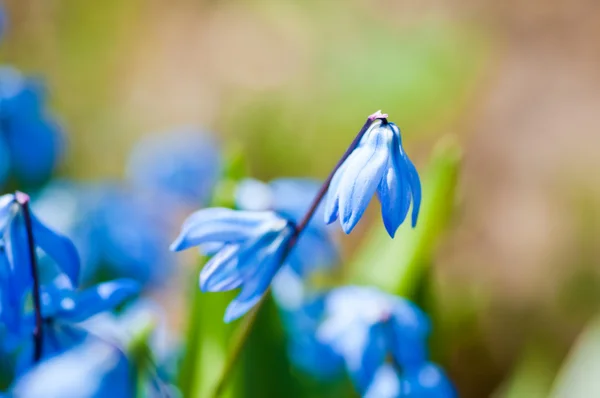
378	164
367	327
247	250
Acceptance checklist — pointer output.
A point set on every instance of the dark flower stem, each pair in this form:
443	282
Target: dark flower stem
250	319
23	200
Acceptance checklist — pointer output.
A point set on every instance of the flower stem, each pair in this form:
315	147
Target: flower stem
23	200
246	328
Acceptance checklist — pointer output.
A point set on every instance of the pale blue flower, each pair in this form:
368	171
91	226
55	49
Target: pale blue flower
379	164
366	326
247	248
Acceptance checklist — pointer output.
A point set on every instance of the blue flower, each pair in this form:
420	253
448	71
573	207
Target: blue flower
366	327
92	369
15	267
428	381
291	198
379	164
184	165
247	248
30	136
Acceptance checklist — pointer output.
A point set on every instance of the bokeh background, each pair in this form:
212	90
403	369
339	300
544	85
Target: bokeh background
516	84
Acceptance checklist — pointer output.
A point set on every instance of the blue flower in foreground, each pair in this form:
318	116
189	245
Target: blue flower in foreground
247	249
92	369
366	327
15	267
429	381
379	164
184	165
31	137
291	198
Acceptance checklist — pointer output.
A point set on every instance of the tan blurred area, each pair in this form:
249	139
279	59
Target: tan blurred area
526	233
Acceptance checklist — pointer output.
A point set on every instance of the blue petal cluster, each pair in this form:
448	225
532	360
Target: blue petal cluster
31	140
247	250
382	339
378	164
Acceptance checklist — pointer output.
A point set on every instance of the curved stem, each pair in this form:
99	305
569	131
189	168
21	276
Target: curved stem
38	339
246	328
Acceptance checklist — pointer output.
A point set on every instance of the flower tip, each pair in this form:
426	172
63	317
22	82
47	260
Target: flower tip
21	197
176	245
378	115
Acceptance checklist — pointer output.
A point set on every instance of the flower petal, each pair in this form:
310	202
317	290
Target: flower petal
218	225
59	248
365	169
333	194
394	196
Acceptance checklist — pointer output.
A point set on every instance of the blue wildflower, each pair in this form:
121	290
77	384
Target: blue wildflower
184	165
291	198
247	248
92	369
378	164
366	327
29	135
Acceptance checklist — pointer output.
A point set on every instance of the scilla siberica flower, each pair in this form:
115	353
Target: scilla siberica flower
247	249
378	164
375	332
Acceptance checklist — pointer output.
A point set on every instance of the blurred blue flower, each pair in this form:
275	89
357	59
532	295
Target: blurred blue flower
247	249
29	135
15	267
93	216
366	327
184	165
379	164
428	381
291	198
92	369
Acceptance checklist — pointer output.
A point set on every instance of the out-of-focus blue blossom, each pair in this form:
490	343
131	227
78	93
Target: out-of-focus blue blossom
31	137
428	381
247	249
15	264
379	164
291	198
119	233
92	369
301	312
366	327
184	165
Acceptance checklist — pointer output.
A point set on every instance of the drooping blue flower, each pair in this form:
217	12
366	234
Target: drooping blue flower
92	369
291	198
184	165
428	381
379	164
30	135
247	250
366	327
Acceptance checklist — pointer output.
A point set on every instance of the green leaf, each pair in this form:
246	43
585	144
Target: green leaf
398	265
